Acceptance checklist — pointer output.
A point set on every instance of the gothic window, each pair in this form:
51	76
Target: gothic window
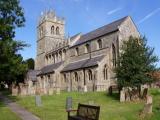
56	57
76	76
60	54
105	72
52	30
50	82
53	58
113	55
65	78
99	43
57	30
64	54
87	49
47	59
89	75
77	51
41	31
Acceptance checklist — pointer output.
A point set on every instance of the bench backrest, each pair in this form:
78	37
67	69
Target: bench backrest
88	112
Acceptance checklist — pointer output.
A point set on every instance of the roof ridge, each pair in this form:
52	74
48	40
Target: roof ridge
123	18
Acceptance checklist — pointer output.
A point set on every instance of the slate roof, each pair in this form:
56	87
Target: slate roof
49	68
109	28
83	64
31	74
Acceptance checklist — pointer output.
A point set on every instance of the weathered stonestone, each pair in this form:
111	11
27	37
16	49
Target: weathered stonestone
122	96
51	91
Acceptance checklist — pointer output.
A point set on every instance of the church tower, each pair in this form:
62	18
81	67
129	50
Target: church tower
50	32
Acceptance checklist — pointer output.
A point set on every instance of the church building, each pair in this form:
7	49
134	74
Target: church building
83	62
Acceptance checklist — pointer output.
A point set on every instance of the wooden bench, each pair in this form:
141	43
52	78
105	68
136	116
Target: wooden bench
85	112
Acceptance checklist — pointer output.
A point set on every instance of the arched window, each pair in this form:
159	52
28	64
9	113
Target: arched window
57	30
46	59
60	54
76	76
77	51
64	54
52	30
99	43
65	78
49	58
53	58
41	31
89	75
113	55
56	57
105	72
87	48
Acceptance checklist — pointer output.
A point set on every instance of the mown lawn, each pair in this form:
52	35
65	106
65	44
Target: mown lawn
6	113
53	107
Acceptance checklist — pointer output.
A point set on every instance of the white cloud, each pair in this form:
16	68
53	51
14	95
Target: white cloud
149	15
114	11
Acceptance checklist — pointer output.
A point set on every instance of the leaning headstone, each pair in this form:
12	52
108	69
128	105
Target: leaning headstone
149	103
147	107
145	92
38	100
122	96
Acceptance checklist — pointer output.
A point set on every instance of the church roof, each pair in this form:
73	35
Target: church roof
31	74
83	64
109	28
49	68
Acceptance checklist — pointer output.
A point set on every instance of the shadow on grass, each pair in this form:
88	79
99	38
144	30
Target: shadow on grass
1	104
155	93
8	94
114	96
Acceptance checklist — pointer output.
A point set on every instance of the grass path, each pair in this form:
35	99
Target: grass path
6	113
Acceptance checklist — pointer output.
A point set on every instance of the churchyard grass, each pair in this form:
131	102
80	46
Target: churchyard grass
53	107
6	113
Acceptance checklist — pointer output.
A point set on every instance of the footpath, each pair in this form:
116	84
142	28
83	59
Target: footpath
18	110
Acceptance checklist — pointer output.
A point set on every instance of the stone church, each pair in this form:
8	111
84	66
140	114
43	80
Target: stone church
83	62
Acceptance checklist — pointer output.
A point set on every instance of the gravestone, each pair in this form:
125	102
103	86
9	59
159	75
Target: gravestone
14	90
85	88
50	91
147	107
149	104
145	92
127	96
68	103
90	102
58	90
122	96
38	100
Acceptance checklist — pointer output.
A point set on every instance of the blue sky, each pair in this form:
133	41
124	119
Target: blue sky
86	15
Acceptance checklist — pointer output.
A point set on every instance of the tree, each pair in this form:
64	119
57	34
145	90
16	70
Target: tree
30	63
135	63
12	66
